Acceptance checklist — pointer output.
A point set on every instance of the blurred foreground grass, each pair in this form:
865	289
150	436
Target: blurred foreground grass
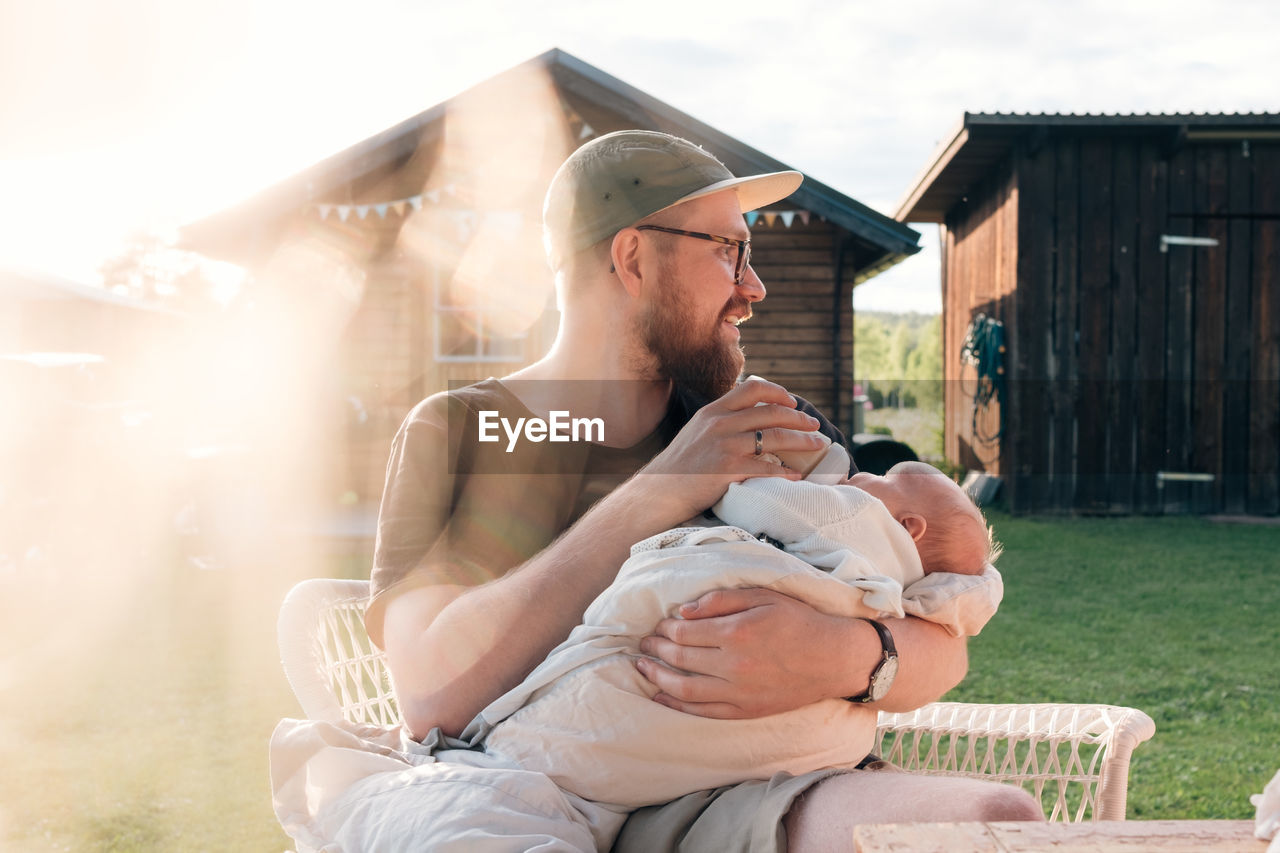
135	711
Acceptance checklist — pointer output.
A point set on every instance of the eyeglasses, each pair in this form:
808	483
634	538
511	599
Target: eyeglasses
744	246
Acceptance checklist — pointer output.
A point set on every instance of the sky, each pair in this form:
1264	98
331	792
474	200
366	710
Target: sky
150	113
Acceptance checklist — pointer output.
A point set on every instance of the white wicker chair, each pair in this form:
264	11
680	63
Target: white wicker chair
1074	758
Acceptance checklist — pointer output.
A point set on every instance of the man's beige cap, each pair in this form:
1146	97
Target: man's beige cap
618	179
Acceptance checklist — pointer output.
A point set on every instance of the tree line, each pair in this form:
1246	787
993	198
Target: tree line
897	358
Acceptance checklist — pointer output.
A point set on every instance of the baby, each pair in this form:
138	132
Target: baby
948	529
909	542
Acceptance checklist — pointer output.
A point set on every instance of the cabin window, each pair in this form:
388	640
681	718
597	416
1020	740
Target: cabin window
471	315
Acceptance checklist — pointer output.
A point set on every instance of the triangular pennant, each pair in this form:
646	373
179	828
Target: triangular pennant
804	216
343	212
451	189
433	196
586	131
362	210
416	202
466	224
769	218
382	210
788	216
752	216
324	210
398	206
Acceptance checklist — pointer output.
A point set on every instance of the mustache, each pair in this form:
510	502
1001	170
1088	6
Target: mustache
739	307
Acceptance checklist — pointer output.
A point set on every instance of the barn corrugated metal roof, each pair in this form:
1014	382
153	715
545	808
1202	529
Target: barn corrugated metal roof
981	140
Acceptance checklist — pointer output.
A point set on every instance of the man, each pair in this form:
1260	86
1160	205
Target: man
486	560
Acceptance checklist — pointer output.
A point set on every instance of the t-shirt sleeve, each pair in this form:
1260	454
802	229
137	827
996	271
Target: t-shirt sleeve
462	512
417	503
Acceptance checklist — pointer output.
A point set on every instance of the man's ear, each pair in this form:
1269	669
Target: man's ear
624	254
914	523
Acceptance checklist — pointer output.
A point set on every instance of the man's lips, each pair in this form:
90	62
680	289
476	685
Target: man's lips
737	315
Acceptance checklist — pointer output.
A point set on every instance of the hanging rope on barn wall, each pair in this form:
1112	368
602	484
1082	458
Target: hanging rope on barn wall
984	348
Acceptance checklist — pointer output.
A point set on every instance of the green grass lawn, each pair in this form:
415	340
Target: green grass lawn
1175	616
135	711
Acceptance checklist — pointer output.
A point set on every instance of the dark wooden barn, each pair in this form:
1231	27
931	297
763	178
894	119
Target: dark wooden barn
437	224
1130	264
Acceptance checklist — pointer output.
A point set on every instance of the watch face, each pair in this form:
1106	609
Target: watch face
883	678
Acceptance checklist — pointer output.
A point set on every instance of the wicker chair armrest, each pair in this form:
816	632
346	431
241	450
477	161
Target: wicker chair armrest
1088	746
1111	723
307	646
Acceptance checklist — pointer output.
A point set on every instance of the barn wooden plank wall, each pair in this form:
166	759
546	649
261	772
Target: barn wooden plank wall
1124	360
790	340
979	261
1264	331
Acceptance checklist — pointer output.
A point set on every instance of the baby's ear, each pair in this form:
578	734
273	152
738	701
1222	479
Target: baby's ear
914	523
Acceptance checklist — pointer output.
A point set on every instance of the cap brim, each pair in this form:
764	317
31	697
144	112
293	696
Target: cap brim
753	191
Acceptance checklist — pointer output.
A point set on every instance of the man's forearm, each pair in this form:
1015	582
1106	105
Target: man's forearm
451	658
487	639
744	653
930	662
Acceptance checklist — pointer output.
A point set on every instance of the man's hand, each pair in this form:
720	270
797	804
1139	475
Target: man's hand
717	447
744	653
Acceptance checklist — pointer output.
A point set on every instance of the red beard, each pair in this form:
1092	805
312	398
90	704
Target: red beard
704	361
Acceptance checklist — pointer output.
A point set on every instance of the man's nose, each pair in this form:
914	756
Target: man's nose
751	286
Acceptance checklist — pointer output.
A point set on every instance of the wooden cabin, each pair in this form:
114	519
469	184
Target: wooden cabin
1129	264
41	313
427	238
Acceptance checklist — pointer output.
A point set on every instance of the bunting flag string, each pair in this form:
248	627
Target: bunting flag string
584	130
464	220
414	202
382	208
769	217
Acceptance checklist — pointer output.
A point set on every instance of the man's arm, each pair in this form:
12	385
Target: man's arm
934	663
739	653
453	650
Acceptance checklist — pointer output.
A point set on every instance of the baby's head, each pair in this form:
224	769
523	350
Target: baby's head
949	530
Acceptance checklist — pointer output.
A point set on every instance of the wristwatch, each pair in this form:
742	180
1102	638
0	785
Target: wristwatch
882	676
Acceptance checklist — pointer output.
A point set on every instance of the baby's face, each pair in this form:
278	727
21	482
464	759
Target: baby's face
910	487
